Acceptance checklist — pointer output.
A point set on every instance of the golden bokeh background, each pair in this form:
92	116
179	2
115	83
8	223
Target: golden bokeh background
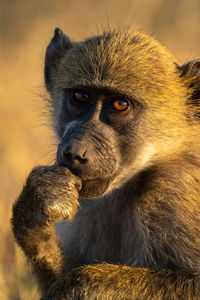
25	137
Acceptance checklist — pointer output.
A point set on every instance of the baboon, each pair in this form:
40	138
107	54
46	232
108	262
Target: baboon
118	214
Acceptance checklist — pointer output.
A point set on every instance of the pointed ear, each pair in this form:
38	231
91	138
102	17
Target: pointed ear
191	75
55	50
191	68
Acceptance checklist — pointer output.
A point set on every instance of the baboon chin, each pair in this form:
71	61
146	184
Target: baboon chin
94	188
117	216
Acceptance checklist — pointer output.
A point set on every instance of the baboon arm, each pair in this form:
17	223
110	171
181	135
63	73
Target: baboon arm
34	223
42	247
106	281
40	244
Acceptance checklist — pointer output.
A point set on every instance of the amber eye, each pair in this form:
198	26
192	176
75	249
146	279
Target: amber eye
80	96
120	105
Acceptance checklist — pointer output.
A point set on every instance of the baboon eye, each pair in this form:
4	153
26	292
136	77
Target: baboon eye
120	105
80	96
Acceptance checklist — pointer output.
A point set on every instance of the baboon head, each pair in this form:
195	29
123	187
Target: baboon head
119	104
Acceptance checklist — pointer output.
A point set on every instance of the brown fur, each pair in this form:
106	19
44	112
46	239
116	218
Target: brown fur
139	235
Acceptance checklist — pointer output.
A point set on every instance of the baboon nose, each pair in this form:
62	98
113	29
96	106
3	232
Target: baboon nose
75	154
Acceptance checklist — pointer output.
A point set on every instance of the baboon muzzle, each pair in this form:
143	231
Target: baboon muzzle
74	155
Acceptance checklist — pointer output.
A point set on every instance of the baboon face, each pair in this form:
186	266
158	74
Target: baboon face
97	137
111	94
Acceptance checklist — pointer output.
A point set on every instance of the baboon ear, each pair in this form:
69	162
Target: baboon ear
191	69
190	72
55	50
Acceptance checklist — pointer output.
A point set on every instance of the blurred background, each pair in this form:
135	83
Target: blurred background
26	139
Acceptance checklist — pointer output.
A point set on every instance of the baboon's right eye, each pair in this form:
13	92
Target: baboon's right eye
80	96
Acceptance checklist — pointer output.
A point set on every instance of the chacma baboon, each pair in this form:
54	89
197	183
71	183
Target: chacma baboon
118	215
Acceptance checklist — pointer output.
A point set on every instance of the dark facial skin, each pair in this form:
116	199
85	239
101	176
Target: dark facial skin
92	141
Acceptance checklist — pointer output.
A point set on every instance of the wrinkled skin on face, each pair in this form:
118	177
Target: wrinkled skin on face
96	140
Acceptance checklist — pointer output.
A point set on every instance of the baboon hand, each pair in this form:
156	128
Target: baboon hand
51	193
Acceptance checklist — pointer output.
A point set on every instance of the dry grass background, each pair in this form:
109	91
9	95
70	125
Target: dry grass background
25	140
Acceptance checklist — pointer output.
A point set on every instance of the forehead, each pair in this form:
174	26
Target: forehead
126	61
